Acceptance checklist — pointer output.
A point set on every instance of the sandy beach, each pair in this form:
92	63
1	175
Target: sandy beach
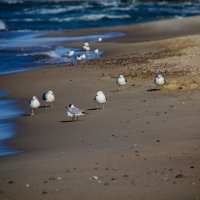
143	145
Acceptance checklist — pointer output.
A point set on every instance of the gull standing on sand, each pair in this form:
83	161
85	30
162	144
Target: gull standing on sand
48	97
159	79
34	103
100	98
70	53
121	81
74	112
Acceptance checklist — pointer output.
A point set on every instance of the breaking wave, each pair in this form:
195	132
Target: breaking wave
92	17
51	54
2	26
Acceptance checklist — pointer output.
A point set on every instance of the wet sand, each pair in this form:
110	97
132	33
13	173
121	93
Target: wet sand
143	145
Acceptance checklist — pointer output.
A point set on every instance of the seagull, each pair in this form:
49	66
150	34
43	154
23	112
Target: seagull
159	79
87	48
34	103
74	112
99	39
100	98
86	44
70	53
121	81
79	58
83	56
96	51
48	97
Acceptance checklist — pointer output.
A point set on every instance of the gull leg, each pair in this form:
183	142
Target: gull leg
97	107
103	106
32	112
46	105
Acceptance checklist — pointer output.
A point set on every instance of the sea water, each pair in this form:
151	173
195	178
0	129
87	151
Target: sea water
9	110
66	14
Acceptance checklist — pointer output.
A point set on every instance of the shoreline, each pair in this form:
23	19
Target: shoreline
144	143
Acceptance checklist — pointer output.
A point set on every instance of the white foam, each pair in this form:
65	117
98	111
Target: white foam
12	1
55	10
51	54
2	25
45	11
91	17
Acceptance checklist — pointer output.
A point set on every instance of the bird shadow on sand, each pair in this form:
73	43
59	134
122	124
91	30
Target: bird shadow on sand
153	90
67	121
94	108
115	90
44	106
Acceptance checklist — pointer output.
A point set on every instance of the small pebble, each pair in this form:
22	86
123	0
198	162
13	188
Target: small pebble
10	182
44	192
179	176
94	178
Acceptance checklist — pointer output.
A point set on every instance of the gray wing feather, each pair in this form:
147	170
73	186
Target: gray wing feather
76	111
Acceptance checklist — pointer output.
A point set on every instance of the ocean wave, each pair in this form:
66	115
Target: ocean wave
91	17
109	3
12	1
51	54
46	11
55	10
26	20
2	25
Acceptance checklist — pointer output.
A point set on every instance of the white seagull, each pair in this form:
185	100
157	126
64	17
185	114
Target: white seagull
48	97
100	98
87	48
100	39
96	51
34	103
86	44
121	81
159	79
79	58
74	112
70	53
83	56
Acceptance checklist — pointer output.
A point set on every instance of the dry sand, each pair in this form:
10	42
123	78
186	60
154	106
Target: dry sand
143	145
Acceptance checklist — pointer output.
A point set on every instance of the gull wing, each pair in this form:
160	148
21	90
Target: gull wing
76	111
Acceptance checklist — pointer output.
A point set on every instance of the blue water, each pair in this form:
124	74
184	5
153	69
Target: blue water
9	109
28	50
62	15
